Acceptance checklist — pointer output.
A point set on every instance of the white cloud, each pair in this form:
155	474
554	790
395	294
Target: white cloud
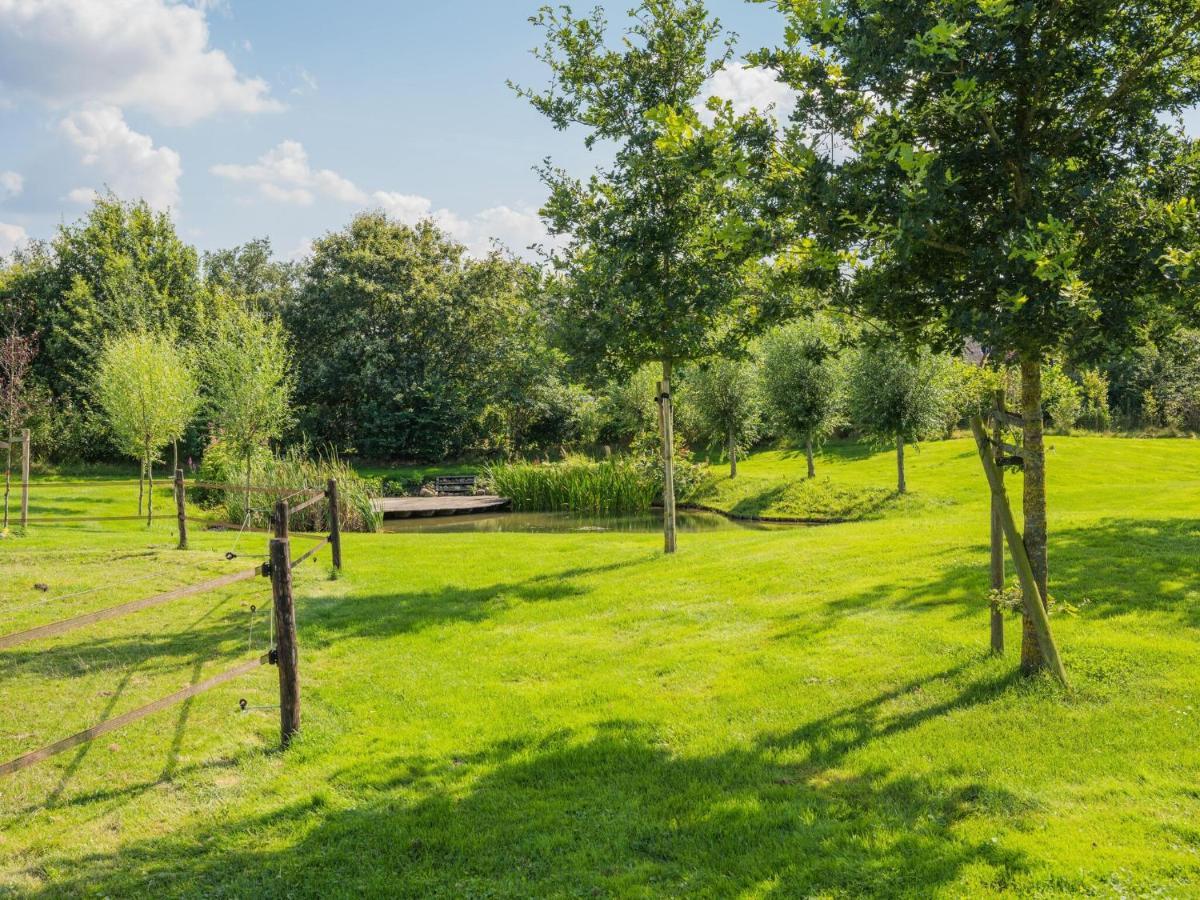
11	184
11	237
151	55
747	88
82	195
284	175
127	160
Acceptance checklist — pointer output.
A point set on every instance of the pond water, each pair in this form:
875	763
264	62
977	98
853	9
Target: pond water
564	523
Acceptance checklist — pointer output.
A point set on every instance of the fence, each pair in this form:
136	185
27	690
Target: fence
284	654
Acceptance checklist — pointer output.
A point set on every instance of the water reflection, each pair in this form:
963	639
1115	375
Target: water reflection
565	523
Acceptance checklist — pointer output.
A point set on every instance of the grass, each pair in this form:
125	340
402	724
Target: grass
804	712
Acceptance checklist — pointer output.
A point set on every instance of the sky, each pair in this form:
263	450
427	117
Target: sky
283	118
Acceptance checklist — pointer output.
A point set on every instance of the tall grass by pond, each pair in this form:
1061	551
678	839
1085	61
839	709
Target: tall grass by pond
292	472
577	484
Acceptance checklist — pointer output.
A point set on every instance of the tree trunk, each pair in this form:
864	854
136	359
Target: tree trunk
997	548
149	489
8	476
667	424
808	451
901	484
732	455
174	456
1034	503
141	484
246	508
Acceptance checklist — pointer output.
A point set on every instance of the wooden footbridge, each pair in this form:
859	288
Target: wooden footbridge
455	496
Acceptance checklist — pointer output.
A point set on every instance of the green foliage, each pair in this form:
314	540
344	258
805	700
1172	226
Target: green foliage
803	380
655	263
1061	398
726	397
1015	178
251	276
148	393
405	346
627	407
298	469
577	484
894	394
246	380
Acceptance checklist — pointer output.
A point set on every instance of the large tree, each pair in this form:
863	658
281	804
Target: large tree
1007	173
403	342
655	248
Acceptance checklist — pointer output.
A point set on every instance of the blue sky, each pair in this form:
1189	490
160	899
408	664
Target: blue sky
281	118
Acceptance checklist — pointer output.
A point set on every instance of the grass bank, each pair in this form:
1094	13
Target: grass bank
803	712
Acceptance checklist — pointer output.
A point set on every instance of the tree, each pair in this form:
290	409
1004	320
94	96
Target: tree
147	391
403	342
17	352
725	394
655	255
250	275
1011	176
803	383
896	396
246	382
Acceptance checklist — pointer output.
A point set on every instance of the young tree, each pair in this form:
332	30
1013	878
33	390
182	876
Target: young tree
726	397
17	352
246	382
148	393
1012	176
804	384
655	253
897	396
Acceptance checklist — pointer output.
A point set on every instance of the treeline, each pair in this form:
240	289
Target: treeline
401	346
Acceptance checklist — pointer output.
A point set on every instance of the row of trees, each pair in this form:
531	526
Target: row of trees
998	173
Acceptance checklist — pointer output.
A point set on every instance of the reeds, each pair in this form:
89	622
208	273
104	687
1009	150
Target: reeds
578	485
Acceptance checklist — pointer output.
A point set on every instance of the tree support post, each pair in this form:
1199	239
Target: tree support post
335	524
997	537
181	509
24	477
667	418
1034	602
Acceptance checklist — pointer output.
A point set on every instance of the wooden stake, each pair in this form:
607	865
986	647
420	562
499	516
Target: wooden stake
24	477
997	542
282	514
335	525
181	509
668	440
1033	600
286	652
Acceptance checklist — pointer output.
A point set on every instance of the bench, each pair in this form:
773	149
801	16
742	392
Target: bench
454	484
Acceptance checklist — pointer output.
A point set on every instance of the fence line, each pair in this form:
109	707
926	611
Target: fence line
54	629
90	734
311	551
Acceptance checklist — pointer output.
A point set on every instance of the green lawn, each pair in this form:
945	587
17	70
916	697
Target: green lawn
801	712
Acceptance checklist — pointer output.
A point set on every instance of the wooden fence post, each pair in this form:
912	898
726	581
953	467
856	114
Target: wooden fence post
24	477
181	509
335	525
286	653
997	540
1034	601
280	519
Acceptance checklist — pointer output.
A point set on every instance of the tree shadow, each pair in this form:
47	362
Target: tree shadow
605	809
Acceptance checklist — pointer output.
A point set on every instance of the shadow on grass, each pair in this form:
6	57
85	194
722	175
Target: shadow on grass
1110	568
607	810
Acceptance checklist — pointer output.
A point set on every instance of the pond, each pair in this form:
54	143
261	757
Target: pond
565	523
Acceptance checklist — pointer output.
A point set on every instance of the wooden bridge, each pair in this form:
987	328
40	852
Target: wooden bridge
408	507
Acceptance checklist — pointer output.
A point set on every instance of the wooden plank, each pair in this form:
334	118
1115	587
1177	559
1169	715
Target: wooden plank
1004	417
241	488
314	499
90	734
1034	604
54	629
438	506
311	550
